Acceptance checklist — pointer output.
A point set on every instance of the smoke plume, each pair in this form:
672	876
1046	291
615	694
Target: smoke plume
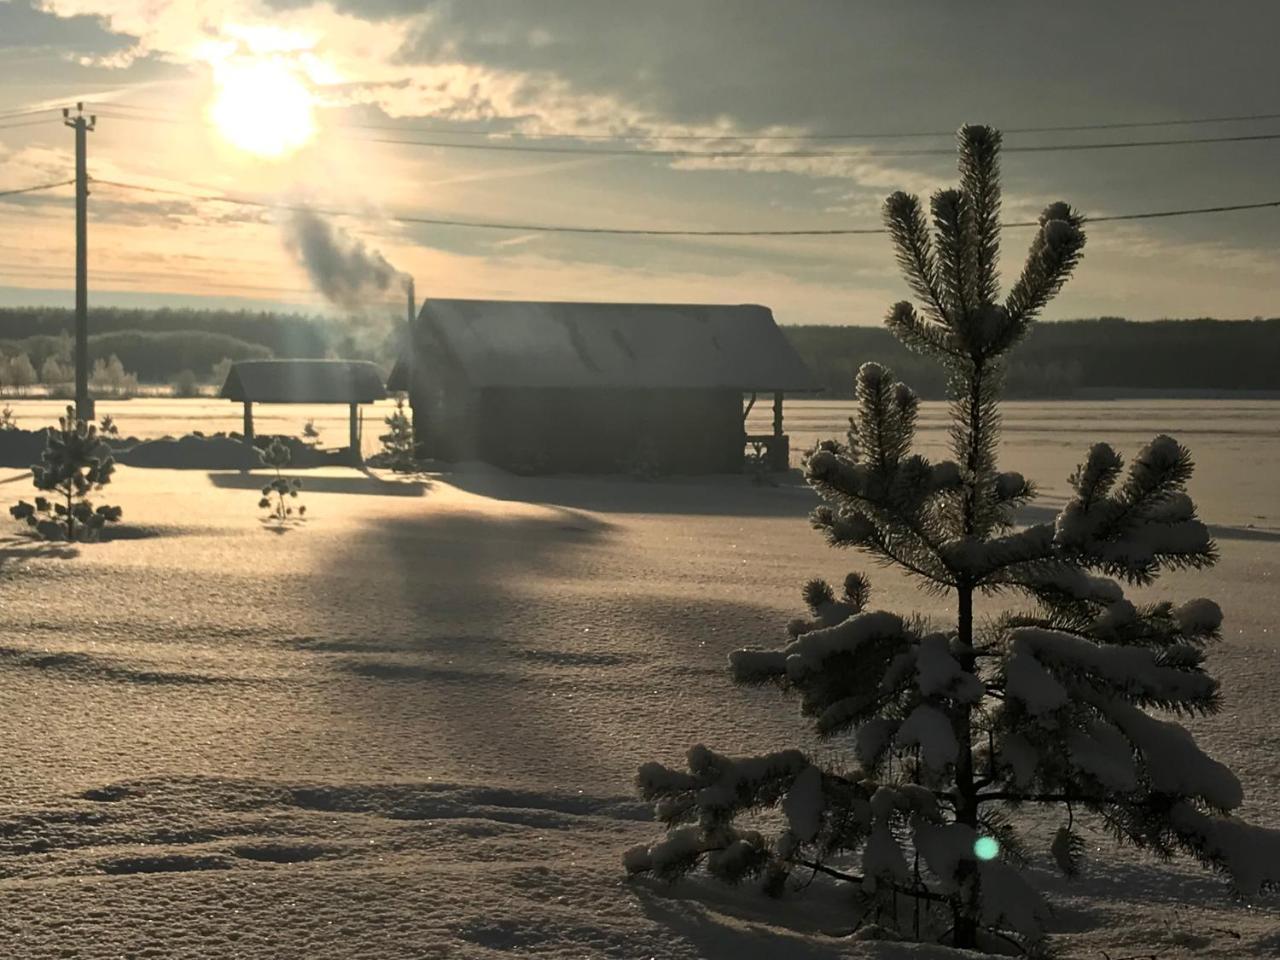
341	267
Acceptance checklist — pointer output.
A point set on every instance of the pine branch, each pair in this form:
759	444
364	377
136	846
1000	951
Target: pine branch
948	220
1054	253
914	249
921	336
921	892
1010	796
980	181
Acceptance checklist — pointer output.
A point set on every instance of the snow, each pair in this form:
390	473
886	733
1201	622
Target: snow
1103	752
873	738
929	728
1027	680
943	847
1134	670
939	672
882	857
804	803
1250	854
1009	899
1021	757
1198	617
1172	760
412	726
807	653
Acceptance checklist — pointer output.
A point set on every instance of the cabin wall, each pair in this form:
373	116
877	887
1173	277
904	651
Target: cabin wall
609	431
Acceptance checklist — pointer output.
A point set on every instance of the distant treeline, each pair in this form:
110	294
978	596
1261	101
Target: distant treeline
158	345
1062	358
1058	359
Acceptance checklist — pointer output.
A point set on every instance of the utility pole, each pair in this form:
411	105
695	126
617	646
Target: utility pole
82	125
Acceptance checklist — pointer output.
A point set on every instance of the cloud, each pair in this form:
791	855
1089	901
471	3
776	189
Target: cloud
25	26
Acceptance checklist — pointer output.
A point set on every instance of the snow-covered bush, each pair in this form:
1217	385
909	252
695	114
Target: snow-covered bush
397	443
951	729
277	493
75	462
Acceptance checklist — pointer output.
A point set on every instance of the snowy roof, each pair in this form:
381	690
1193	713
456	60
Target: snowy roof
304	381
501	343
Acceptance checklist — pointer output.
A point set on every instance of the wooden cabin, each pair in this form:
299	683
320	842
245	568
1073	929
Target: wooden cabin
596	387
350	382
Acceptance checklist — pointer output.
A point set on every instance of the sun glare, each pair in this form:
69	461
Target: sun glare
262	106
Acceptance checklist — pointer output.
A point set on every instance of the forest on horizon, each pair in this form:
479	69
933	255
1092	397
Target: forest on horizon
1062	358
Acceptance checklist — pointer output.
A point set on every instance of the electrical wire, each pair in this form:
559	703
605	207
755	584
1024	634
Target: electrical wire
879	135
36	188
26	123
25	112
636	231
769	155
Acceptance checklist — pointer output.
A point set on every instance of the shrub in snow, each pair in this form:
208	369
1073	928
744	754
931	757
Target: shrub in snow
186	384
277	494
74	463
310	434
7	420
954	728
397	443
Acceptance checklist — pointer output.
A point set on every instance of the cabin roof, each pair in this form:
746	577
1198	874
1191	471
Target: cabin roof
304	381
507	343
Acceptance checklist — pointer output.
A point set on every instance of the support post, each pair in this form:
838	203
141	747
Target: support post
780	449
248	422
355	433
82	126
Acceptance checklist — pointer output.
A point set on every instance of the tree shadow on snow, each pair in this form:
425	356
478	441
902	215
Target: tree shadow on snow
32	548
728	495
523	643
739	933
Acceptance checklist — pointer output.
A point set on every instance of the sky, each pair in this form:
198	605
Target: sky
192	96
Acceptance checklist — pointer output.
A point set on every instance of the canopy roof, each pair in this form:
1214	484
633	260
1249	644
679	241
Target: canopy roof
504	343
304	381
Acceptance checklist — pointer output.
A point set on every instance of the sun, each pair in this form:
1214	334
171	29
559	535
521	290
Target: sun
262	106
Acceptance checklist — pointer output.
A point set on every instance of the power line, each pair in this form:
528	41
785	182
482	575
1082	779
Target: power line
630	231
814	154
878	135
758	155
26	123
37	187
25	112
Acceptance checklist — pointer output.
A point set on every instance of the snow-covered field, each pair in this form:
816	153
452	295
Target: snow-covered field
409	728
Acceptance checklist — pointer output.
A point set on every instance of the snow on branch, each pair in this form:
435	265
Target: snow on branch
1250	855
1134	673
1147	525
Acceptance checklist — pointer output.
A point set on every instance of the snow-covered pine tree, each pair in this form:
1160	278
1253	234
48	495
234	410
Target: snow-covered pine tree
955	728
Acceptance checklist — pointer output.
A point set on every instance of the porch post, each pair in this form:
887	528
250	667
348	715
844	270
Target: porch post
248	422
780	449
355	432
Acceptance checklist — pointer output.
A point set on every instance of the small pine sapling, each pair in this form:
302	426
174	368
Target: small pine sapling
310	434
277	494
7	420
398	443
75	462
954	729
107	426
